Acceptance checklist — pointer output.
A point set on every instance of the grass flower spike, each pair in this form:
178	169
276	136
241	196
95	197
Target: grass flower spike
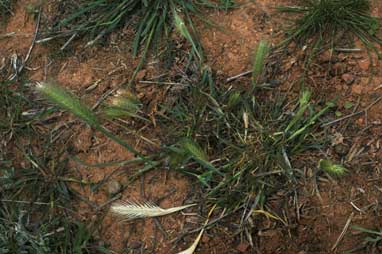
133	210
68	102
331	168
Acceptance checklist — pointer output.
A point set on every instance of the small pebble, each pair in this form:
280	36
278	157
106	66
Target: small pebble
114	187
341	149
364	64
348	78
242	247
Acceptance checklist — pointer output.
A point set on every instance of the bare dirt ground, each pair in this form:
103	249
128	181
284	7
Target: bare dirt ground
315	219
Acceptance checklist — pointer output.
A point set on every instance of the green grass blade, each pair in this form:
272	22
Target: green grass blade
259	61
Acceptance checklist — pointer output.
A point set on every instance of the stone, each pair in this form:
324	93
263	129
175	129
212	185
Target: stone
364	64
348	78
338	69
140	75
114	187
357	89
342	57
242	247
205	239
326	56
360	121
341	149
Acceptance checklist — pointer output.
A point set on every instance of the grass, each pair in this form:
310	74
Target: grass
323	24
154	21
239	146
371	243
69	102
19	114
35	194
33	215
5	8
259	61
236	143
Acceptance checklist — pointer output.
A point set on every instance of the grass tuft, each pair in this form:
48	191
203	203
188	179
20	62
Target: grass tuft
5	8
35	202
154	21
327	22
237	145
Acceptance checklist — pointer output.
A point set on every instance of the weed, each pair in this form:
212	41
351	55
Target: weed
69	102
237	145
35	195
373	240
5	8
331	168
155	20
327	22
258	64
35	205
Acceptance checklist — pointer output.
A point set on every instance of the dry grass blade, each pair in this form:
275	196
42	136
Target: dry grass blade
133	210
192	248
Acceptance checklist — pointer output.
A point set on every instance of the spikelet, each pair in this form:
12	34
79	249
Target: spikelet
134	210
68	101
198	154
195	150
331	168
71	103
123	104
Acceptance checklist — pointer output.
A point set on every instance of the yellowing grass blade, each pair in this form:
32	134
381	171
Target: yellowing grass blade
269	215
